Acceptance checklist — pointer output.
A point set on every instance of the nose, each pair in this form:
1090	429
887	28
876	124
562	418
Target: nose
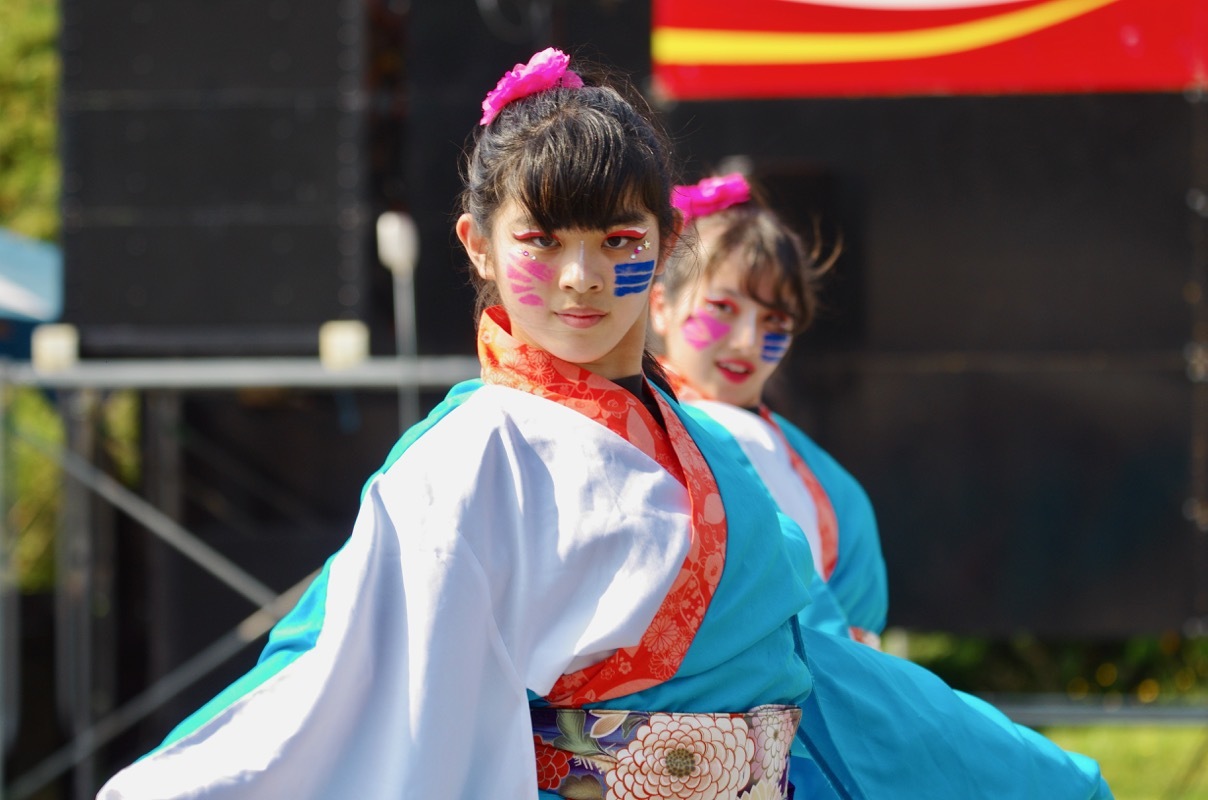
577	275
745	333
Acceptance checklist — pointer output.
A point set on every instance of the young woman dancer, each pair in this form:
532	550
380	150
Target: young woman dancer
725	326
725	320
558	584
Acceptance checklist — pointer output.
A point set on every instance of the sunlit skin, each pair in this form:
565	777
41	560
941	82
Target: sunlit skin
722	341
581	295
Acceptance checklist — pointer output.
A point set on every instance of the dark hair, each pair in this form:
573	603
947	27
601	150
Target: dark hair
574	158
783	267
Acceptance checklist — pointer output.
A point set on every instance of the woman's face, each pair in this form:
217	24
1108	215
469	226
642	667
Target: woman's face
722	341
581	295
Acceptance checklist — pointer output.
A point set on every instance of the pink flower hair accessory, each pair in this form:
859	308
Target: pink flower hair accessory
545	70
710	196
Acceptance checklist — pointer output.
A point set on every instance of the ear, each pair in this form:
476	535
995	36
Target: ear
658	309
477	245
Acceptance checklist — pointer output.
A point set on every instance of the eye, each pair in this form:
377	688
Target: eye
622	239
721	307
537	239
779	323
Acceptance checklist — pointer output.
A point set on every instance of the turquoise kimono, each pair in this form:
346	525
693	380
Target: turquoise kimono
410	665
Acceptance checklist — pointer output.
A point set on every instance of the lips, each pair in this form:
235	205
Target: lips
580	317
735	370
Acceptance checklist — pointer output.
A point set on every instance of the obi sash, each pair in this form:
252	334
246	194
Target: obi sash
617	755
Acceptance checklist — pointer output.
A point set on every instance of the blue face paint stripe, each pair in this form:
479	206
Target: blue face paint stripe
633	278
775	345
621	291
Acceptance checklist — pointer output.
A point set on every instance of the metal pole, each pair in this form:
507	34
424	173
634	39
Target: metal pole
160	524
6	654
104	730
405	342
398	250
74	586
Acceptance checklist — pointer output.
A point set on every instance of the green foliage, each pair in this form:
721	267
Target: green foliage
1140	762
29	80
1149	669
29	195
120	431
32	484
1144	762
34	481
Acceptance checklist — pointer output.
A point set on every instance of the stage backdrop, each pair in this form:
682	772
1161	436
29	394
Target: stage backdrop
718	49
1011	357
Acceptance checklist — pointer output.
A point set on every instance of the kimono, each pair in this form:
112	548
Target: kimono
540	545
829	505
513	546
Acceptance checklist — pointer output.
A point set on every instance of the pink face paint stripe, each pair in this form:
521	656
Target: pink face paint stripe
520	269
537	270
701	330
522	272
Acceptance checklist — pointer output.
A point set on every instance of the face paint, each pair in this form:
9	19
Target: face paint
633	278
775	345
522	272
702	330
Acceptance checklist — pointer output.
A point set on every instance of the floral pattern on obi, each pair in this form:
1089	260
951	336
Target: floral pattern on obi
623	755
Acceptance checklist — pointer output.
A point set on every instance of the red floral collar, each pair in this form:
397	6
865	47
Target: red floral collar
657	657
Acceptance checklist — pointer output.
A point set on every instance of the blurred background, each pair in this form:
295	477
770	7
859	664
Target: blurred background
228	280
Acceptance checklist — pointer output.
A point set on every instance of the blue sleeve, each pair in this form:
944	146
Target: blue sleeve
859	582
880	726
825	612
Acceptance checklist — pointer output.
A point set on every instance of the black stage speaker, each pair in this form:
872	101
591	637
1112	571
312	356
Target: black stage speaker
1002	356
213	174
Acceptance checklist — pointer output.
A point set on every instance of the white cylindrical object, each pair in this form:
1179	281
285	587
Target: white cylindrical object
397	242
54	347
343	343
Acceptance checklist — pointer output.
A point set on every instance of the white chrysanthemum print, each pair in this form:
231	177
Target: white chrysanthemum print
764	790
685	756
773	734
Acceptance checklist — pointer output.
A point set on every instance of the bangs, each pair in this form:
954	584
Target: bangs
778	273
587	170
772	284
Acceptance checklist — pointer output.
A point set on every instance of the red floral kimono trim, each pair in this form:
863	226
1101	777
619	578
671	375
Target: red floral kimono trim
657	657
828	524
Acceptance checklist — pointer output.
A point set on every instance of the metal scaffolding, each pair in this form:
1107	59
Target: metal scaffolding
77	545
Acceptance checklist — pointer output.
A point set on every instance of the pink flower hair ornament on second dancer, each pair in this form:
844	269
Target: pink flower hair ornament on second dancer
710	196
545	70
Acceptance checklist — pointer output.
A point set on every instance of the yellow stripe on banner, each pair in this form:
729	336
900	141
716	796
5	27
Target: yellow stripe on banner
737	48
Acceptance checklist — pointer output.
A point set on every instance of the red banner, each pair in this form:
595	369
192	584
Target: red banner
714	49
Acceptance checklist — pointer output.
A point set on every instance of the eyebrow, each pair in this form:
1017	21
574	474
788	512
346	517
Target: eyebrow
728	293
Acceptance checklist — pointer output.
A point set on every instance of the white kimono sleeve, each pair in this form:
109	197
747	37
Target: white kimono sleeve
416	685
